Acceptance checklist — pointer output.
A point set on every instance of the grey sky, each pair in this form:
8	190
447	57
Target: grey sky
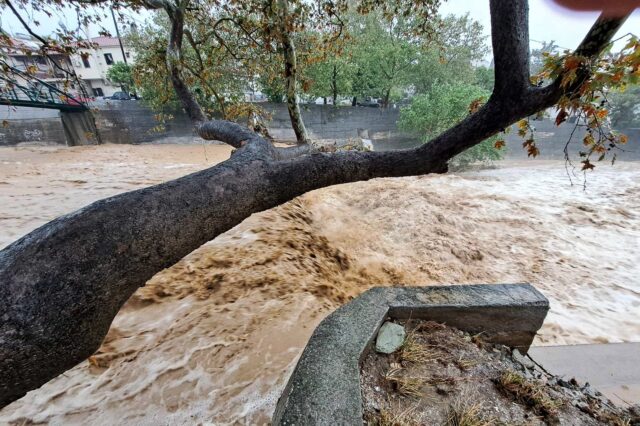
547	21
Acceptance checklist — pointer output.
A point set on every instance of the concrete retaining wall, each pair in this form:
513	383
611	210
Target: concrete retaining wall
37	131
324	388
132	123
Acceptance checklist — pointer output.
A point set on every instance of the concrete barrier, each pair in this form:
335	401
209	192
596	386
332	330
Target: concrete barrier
80	128
324	388
130	122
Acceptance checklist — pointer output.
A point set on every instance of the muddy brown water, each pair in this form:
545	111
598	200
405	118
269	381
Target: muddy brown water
214	337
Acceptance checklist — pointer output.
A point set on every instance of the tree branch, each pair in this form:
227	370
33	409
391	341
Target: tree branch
174	53
45	43
26	26
510	40
228	132
596	40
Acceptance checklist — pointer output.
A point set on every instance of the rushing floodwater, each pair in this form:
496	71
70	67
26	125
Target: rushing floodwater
215	337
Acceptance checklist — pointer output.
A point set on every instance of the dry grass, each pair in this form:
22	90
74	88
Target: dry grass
462	413
465	364
621	422
529	393
392	418
478	340
414	352
406	386
437	379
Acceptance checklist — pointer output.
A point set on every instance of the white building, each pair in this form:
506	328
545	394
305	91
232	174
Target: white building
92	65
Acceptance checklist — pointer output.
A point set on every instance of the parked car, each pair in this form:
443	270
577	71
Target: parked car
370	102
120	96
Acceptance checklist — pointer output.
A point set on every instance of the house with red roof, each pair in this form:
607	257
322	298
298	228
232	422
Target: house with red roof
92	64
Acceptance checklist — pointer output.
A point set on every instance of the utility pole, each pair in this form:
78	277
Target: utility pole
115	23
124	56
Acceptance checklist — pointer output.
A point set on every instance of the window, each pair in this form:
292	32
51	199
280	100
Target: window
126	54
85	61
109	58
97	91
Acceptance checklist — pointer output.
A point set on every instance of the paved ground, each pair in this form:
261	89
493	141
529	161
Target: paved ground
613	369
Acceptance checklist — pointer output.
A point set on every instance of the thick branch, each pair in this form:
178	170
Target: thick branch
510	40
228	132
174	56
594	43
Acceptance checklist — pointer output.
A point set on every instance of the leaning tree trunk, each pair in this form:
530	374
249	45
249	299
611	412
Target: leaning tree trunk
290	72
334	84
385	99
62	284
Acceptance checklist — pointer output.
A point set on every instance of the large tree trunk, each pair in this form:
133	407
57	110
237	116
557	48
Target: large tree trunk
290	72
62	284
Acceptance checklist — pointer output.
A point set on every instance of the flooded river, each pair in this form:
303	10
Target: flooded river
214	338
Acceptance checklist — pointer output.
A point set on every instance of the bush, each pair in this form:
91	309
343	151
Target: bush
442	107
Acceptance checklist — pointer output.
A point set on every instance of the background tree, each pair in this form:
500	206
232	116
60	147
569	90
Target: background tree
625	107
445	105
484	78
385	53
450	57
150	71
329	73
120	73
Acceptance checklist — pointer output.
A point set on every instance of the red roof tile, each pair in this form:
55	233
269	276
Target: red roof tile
105	41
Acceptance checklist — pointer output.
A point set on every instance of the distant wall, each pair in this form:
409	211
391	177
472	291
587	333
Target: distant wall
31	125
45	131
129	122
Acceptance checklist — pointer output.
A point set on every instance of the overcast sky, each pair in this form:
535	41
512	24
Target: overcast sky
547	21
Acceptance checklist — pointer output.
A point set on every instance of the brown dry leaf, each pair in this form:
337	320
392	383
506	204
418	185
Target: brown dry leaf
586	165
561	117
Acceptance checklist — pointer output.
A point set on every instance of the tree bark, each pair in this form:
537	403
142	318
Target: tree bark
290	72
62	284
385	99
334	84
174	58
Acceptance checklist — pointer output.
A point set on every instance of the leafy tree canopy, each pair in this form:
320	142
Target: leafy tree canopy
441	108
120	73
